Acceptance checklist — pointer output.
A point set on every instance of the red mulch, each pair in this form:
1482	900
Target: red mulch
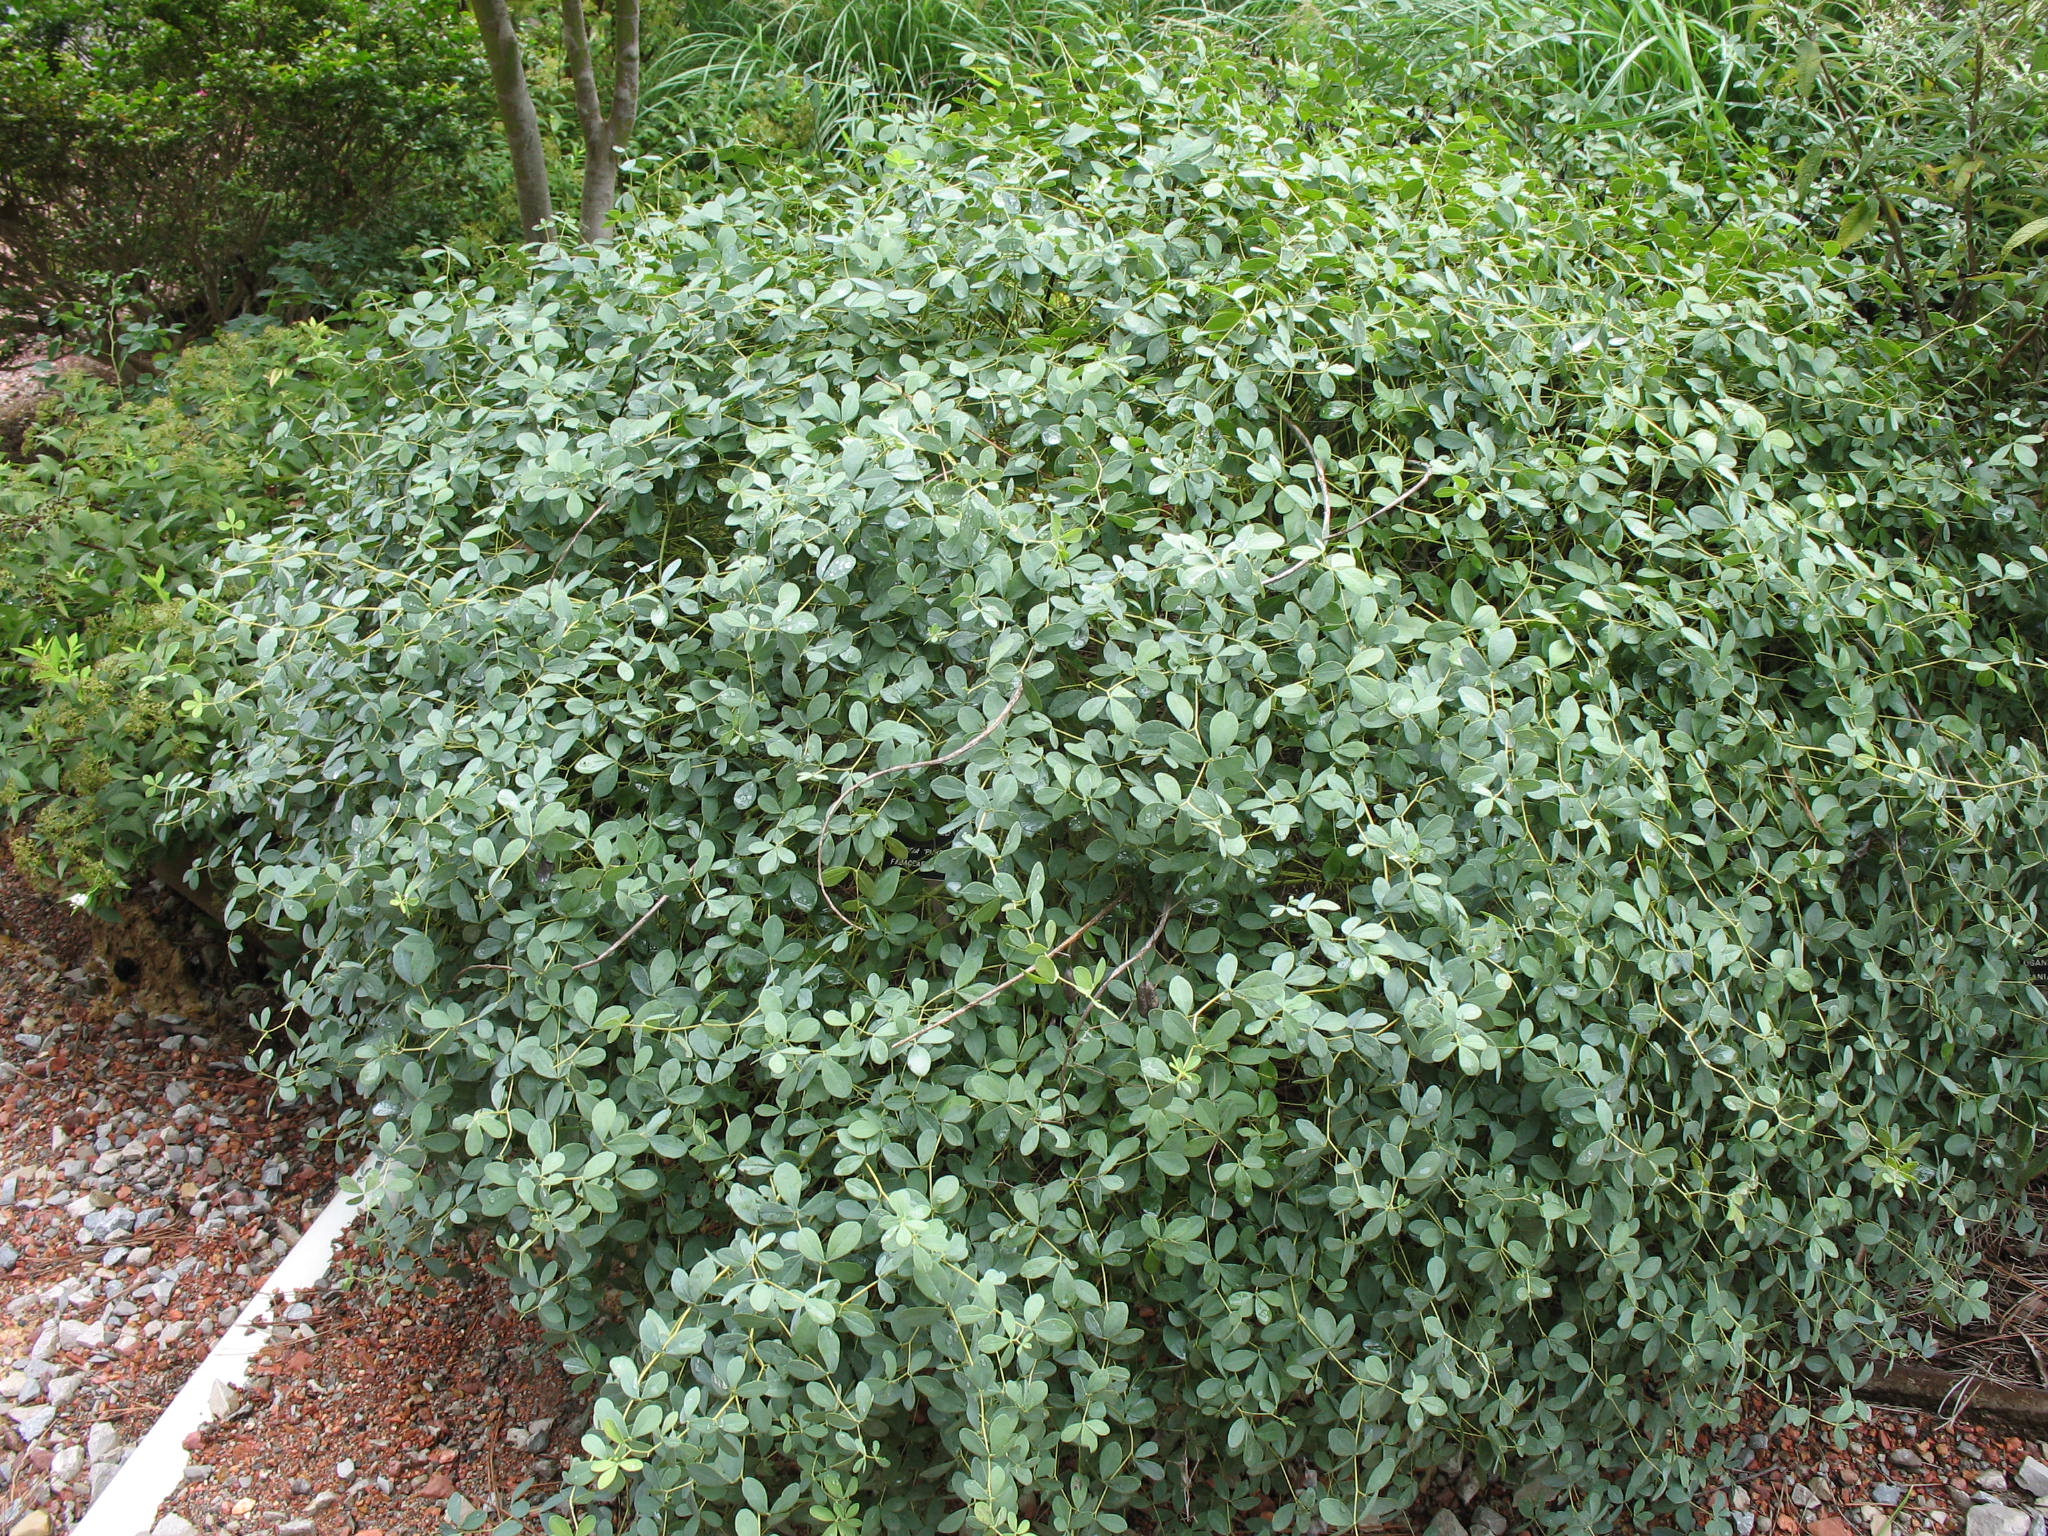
382	1406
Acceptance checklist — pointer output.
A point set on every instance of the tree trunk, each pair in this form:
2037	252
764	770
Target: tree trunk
515	109
605	135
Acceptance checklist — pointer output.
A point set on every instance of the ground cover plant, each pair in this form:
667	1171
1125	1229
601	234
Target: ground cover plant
1203	794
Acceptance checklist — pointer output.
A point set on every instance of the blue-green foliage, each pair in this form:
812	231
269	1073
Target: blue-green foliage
1489	976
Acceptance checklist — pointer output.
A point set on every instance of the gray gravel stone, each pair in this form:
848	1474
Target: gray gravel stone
104	1472
1445	1524
67	1465
174	1525
2033	1476
1997	1520
73	1334
101	1442
1887	1494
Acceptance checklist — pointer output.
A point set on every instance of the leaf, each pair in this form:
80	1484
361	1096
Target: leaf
1807	65
414	958
2024	235
1858	222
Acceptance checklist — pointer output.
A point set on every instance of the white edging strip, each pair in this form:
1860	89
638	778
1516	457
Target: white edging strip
155	1469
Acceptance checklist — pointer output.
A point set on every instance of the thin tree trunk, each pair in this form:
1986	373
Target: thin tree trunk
515	109
605	135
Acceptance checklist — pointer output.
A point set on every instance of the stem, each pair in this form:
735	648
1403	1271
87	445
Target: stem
623	938
604	136
824	826
1024	975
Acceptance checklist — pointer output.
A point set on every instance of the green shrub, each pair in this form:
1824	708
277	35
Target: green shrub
182	143
104	672
1207	796
1922	131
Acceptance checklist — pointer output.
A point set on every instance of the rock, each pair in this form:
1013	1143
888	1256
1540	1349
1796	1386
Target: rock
2033	1476
1886	1494
104	1472
440	1485
301	1527
1997	1520
72	1334
344	1470
1486	1521
222	1400
177	1093
1829	1525
534	1439
31	1422
1445	1524
322	1502
67	1464
1744	1521
35	1523
63	1389
1991	1482
102	1441
174	1525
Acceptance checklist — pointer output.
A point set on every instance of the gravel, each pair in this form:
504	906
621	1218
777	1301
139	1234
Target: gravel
134	1204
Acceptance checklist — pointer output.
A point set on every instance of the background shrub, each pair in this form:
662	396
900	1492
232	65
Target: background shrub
104	666
1206	794
179	144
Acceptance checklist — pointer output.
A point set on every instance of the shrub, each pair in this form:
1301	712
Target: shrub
184	142
1204	797
104	673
